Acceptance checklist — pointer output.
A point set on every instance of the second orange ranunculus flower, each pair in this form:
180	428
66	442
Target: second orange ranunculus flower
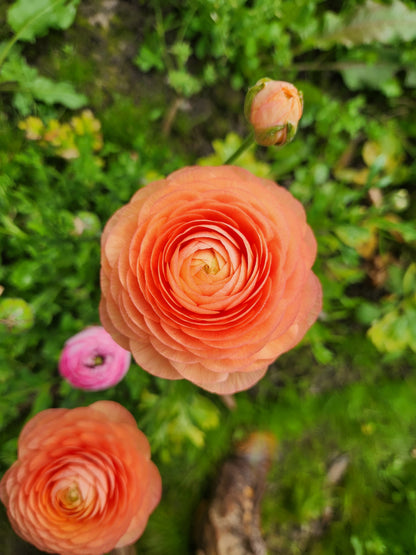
206	275
83	482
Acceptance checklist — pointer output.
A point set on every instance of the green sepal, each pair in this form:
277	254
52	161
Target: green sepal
291	132
263	137
251	93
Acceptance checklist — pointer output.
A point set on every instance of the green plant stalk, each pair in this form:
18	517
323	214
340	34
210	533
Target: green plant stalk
16	37
161	33
248	141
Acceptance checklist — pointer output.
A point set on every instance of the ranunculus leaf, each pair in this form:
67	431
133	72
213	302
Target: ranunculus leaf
223	149
23	274
391	334
33	18
51	92
183	82
36	86
352	235
360	76
409	280
205	413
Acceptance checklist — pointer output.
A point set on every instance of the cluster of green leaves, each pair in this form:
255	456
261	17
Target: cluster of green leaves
29	20
349	390
236	42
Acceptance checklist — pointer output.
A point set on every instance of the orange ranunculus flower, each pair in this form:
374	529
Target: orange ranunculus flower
206	275
83	482
273	109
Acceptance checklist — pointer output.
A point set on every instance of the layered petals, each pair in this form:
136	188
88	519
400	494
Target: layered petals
83	481
206	276
92	360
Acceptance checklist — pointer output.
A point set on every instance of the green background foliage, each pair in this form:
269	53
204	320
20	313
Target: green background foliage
98	99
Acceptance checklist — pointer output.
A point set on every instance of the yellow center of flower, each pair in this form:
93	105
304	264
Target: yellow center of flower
207	260
213	267
70	497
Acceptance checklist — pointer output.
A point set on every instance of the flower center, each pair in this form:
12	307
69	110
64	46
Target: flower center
208	261
213	267
70	497
94	361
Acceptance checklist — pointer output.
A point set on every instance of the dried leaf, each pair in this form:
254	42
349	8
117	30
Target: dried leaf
372	22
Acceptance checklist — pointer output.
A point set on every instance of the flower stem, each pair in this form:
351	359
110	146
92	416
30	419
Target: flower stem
248	141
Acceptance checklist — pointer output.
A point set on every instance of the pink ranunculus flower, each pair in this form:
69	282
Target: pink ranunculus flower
92	360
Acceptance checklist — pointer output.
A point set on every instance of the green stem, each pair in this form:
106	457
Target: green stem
248	141
28	23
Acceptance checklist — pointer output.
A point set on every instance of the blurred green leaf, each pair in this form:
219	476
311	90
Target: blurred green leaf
150	57
51	92
226	147
32	18
24	274
395	331
374	76
409	280
204	413
183	82
33	86
42	401
352	235
181	50
373	21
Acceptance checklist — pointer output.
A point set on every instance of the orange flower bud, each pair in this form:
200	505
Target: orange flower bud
274	109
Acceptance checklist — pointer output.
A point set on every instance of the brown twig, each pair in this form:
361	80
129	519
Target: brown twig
170	116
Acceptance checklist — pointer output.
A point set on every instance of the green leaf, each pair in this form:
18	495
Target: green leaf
50	92
43	400
34	86
410	80
360	76
24	274
409	280
228	146
395	331
204	413
33	18
182	51
352	235
150	55
184	83
372	22
367	313
406	230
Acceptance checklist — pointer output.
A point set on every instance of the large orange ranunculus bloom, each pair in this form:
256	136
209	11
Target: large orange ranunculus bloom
206	275
83	482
